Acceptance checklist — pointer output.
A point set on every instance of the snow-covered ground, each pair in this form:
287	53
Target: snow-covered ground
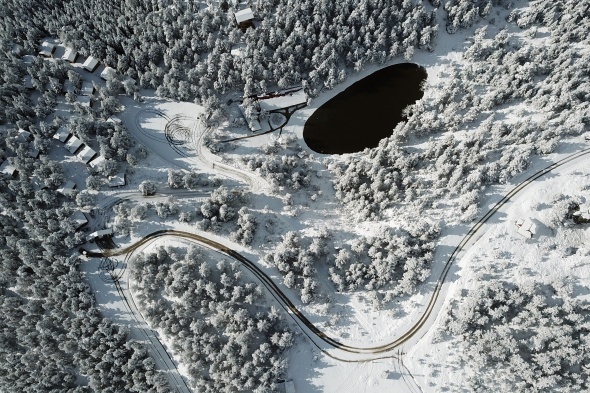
555	255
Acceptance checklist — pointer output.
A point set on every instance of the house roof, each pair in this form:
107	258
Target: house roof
7	168
28	82
28	59
96	162
117	180
47	48
33	153
61	134
90	64
102	232
83	100
67	189
87	88
68	86
114	119
73	144
244	15
108	73
79	218
23	135
69	55
86	154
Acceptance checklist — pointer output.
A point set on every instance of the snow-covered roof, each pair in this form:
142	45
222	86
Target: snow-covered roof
70	55
108	73
90	64
23	135
28	82
117	180
100	233
86	154
96	162
7	169
87	88
244	15
114	119
79	218
283	101
68	86
61	134
28	59
526	228
33	153
73	144
47	49
67	189
253	124
83	100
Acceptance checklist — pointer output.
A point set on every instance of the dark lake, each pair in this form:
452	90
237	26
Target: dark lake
365	112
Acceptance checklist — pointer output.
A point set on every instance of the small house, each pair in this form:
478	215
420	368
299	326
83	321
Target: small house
114	119
47	49
90	64
108	73
117	180
68	189
70	55
28	59
8	169
61	134
87	88
79	219
84	101
244	18
68	87
33	153
526	228
73	144
24	136
99	234
86	154
28	82
96	162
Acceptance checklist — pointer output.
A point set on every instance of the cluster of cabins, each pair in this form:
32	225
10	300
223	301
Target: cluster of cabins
70	55
90	64
73	144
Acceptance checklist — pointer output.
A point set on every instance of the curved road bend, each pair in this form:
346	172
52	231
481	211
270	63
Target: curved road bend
311	330
205	157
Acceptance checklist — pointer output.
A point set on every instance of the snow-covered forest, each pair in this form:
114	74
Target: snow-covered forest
529	337
520	88
227	339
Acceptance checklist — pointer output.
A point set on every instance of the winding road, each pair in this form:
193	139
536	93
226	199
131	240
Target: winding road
330	345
